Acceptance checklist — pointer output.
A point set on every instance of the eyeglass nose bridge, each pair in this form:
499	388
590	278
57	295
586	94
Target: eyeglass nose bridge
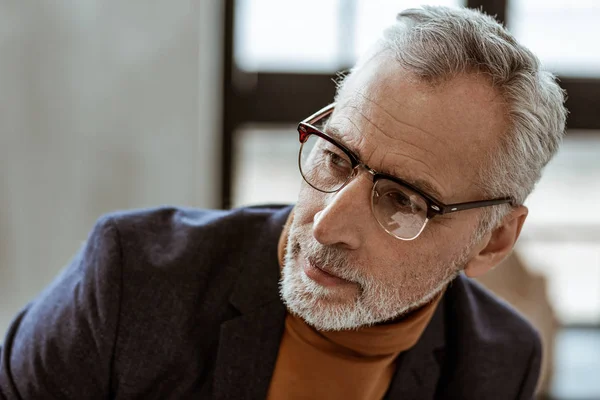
369	169
365	166
357	168
354	174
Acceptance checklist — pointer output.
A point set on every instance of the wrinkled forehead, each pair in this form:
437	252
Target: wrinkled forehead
405	126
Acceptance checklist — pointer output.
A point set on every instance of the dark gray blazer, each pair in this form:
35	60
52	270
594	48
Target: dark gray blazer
177	304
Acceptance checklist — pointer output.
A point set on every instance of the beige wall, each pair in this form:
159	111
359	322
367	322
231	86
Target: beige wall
103	105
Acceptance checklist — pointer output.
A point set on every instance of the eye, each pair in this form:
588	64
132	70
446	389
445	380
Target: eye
336	159
403	202
399	198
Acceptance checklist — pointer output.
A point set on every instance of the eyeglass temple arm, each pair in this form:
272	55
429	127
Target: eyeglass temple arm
450	208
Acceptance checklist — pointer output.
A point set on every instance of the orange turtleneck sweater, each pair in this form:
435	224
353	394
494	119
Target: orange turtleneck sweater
344	365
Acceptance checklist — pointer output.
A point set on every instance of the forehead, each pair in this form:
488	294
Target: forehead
436	134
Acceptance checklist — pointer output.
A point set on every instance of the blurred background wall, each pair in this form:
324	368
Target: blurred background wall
114	105
104	105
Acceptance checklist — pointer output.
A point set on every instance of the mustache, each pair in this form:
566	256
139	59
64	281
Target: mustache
329	259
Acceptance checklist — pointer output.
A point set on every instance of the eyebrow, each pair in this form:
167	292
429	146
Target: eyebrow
420	184
425	187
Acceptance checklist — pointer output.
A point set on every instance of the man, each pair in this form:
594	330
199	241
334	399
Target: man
414	181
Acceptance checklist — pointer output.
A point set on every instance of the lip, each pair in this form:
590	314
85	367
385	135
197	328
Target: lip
321	277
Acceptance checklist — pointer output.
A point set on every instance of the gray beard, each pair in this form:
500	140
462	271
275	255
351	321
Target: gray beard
376	301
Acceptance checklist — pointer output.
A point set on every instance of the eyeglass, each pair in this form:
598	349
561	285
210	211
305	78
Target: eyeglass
399	207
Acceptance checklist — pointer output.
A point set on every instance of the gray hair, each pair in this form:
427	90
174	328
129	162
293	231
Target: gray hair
439	43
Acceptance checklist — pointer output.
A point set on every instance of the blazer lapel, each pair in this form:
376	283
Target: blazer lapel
418	369
249	343
248	348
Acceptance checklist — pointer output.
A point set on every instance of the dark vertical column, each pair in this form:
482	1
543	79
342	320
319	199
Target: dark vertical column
229	122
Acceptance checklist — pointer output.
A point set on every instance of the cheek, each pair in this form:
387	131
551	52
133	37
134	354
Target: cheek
452	234
307	206
399	263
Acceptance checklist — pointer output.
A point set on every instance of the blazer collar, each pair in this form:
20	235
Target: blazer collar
258	282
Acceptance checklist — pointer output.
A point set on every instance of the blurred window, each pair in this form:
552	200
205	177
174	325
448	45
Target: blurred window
561	238
261	149
373	16
563	33
274	35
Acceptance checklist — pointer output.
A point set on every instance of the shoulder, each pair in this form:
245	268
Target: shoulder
161	231
489	341
186	242
168	220
173	250
488	318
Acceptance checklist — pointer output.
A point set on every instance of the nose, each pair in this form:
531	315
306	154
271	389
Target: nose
346	217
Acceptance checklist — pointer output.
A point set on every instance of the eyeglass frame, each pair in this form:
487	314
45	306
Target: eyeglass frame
434	206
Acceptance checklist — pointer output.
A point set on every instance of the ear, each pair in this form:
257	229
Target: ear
496	245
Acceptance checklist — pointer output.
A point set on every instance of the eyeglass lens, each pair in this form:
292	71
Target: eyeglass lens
399	210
